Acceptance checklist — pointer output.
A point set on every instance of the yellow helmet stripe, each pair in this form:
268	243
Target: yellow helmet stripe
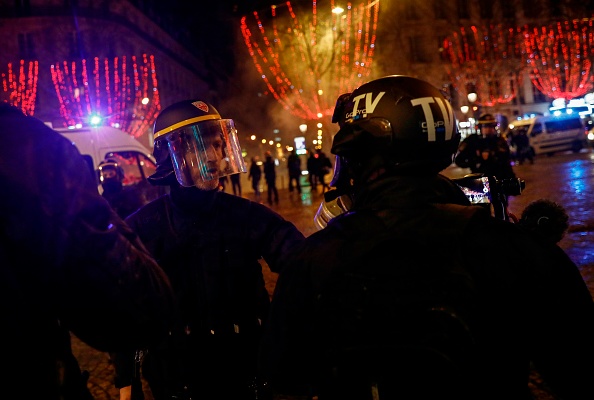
186	122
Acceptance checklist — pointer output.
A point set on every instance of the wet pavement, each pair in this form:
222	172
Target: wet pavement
565	178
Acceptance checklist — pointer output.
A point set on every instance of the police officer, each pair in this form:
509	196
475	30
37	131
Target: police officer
486	152
415	293
209	243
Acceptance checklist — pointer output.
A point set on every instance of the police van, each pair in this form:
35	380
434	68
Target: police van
102	142
551	134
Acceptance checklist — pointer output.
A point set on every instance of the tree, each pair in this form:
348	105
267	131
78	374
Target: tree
486	60
559	57
307	60
19	88
123	94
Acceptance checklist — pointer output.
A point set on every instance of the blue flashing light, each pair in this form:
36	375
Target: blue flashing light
95	120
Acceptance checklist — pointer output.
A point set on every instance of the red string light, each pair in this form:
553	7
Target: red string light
306	61
115	92
558	60
19	88
486	60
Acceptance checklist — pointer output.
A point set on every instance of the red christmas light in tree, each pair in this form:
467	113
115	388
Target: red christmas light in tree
19	88
124	94
559	58
485	60
308	60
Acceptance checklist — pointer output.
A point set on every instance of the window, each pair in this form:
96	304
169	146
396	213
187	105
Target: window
486	8
439	9
73	45
508	9
563	125
536	129
136	166
411	11
463	9
417	50
22	7
531	8
26	48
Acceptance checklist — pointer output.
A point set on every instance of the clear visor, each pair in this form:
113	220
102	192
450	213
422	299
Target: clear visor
205	152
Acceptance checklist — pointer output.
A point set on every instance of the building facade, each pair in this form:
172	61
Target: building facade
54	32
412	34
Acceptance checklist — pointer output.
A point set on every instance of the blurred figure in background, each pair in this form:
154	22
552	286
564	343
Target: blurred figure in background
270	177
68	264
294	167
486	152
124	200
236	184
325	166
223	183
521	141
313	170
255	175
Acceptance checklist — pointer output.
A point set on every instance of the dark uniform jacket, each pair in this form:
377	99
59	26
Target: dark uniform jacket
67	262
210	244
525	300
488	155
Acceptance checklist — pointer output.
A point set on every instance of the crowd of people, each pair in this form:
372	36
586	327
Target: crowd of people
412	293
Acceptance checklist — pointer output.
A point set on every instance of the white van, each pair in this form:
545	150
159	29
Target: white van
99	143
550	134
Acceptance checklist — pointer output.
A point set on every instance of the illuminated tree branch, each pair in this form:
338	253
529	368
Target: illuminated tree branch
124	95
559	58
19	88
308	60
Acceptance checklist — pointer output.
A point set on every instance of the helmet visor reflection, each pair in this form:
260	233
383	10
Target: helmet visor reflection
205	151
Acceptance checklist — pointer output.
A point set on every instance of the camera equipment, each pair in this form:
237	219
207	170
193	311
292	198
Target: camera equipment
490	191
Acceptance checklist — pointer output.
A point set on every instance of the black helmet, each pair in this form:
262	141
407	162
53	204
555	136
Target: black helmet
487	119
164	174
405	121
110	170
187	122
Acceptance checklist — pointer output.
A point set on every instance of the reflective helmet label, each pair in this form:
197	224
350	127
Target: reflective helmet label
201	106
432	124
370	105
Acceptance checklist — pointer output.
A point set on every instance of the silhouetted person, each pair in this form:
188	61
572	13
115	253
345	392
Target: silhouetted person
68	263
236	184
255	175
522	142
486	152
270	177
294	167
124	200
313	170
325	167
223	182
